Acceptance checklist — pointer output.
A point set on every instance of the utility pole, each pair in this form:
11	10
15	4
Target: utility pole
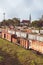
4	19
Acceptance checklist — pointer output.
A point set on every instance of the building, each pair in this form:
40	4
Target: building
30	39
25	22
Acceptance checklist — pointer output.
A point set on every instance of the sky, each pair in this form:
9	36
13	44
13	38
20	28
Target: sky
21	9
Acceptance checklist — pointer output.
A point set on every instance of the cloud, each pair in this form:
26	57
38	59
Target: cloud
21	8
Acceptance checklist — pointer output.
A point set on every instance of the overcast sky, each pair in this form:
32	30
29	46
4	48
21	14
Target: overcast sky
21	9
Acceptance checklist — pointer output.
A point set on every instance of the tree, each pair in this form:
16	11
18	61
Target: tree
38	23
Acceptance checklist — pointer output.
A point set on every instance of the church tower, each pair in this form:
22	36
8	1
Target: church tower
3	16
30	18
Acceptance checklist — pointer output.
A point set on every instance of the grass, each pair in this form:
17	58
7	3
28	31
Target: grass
11	54
1	58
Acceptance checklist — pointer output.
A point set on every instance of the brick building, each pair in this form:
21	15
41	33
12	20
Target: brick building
25	39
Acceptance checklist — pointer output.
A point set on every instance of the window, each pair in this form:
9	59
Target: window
4	35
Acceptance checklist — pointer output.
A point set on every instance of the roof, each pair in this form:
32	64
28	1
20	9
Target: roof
11	27
25	21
